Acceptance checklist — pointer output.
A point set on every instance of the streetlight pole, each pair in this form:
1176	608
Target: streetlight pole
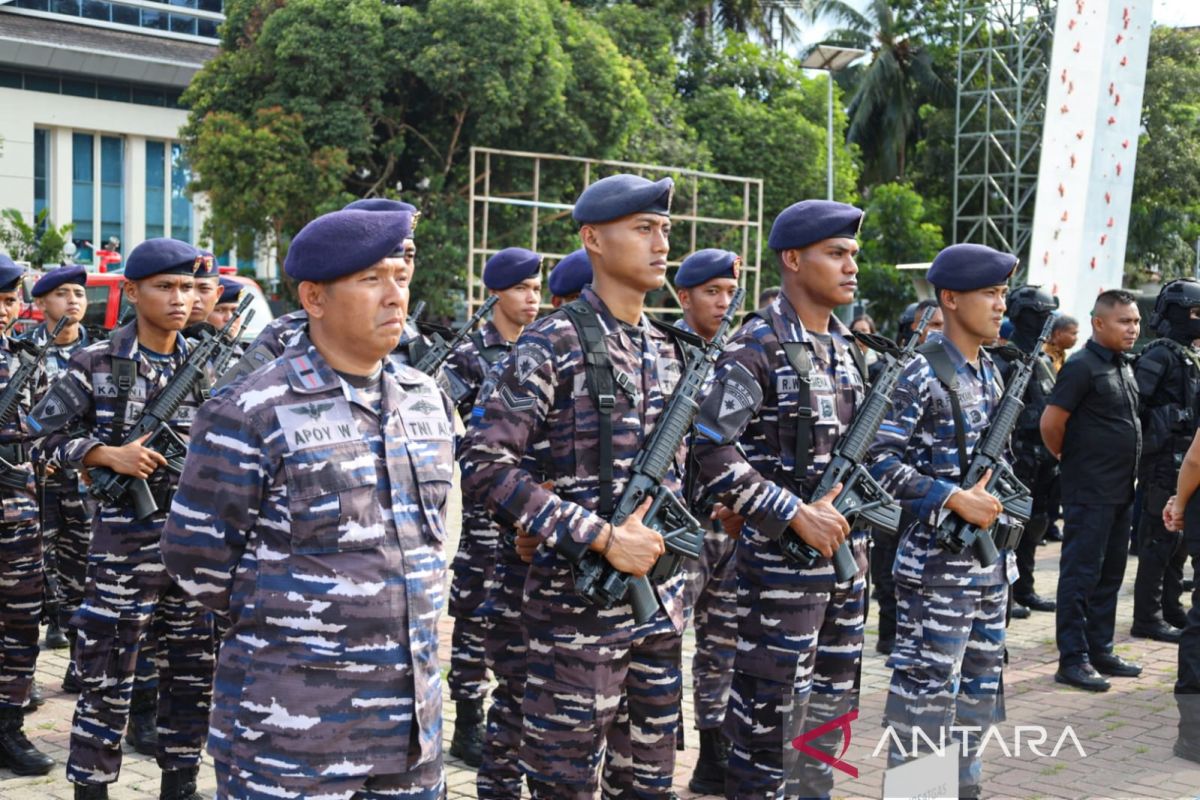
830	58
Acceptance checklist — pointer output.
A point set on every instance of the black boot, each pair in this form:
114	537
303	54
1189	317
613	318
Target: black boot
91	791
55	638
711	766
467	743
142	730
71	683
16	752
36	699
179	784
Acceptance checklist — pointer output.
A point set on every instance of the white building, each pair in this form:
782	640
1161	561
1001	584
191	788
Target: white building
90	116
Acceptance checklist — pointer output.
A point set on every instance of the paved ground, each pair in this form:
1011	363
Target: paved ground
1126	735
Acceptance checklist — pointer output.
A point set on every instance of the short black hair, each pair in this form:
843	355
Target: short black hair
1062	322
1112	298
767	295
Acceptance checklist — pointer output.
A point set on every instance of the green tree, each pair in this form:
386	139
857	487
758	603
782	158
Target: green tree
40	243
894	231
1165	216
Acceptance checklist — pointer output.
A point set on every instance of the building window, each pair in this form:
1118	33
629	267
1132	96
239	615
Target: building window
82	186
156	192
134	12
41	170
112	188
181	206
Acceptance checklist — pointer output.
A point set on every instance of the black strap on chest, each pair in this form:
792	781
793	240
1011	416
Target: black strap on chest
489	353
935	353
603	380
1187	356
124	374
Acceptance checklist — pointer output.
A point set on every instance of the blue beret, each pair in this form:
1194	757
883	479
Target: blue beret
704	265
509	267
381	204
344	242
570	274
621	195
162	256
963	267
230	289
10	273
67	273
812	221
208	266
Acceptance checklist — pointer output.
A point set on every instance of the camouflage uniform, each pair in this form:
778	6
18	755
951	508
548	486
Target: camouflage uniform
311	511
129	592
22	576
471	569
581	660
949	649
710	597
800	632
66	508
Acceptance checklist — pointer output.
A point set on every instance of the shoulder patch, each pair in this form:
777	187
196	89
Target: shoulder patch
317	423
527	358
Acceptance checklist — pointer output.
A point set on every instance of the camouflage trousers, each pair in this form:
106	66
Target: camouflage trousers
129	594
767	713
21	588
581	696
711	597
500	775
472	570
947	670
426	782
66	535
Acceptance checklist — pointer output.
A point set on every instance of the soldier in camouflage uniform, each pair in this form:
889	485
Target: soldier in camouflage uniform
65	516
312	513
706	282
789	383
513	275
84	418
22	573
953	676
283	331
583	661
499	776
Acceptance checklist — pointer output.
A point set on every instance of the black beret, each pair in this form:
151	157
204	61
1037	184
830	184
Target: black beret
704	265
343	242
812	221
570	274
964	267
621	195
10	273
67	273
162	257
230	289
509	267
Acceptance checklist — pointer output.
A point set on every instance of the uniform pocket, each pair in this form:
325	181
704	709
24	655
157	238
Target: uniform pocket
333	500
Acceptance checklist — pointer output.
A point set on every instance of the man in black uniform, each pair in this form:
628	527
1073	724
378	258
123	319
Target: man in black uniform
1168	381
1028	308
1091	424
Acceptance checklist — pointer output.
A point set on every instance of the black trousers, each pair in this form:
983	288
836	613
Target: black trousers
1092	566
1158	590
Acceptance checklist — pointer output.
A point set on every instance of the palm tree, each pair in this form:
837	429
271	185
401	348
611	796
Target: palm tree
768	20
890	90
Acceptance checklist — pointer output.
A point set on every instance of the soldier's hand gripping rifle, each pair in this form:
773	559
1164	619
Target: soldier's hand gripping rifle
956	534
29	358
114	488
861	495
599	581
441	348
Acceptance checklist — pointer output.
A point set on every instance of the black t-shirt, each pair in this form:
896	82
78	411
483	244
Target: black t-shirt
1104	436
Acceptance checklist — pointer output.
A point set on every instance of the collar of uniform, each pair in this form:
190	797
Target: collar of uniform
124	342
307	371
682	324
782	310
1106	355
611	325
956	356
492	336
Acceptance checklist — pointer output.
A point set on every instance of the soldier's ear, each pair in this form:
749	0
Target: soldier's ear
589	237
312	298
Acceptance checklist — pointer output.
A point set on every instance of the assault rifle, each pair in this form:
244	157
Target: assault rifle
113	488
956	534
861	495
29	357
441	348
222	361
599	581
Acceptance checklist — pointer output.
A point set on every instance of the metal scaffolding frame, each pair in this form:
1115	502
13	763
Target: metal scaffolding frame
1003	68
693	191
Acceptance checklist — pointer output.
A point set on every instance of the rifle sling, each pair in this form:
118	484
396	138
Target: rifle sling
124	372
935	353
